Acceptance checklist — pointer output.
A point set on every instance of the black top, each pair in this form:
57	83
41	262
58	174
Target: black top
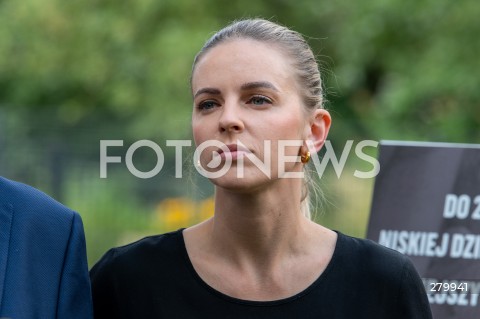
154	278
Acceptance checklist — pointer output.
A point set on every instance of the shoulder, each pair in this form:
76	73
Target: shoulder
155	261
32	203
162	243
369	250
144	253
137	275
367	256
384	281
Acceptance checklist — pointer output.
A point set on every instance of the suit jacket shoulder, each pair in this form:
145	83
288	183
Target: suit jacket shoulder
42	256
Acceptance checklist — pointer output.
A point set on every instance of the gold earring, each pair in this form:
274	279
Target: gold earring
305	157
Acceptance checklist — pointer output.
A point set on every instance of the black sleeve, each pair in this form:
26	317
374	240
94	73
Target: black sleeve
412	301
102	277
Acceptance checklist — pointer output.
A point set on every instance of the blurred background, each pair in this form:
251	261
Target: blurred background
73	73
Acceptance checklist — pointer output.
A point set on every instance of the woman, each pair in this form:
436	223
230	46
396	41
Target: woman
260	256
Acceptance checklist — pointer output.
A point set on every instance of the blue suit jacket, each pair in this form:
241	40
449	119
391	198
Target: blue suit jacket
43	265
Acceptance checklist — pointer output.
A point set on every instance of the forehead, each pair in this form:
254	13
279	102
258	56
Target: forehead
240	61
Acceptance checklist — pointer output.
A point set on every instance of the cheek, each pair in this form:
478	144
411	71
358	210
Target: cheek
198	134
287	128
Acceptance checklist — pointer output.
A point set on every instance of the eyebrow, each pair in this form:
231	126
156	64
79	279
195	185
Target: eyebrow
208	91
244	87
258	85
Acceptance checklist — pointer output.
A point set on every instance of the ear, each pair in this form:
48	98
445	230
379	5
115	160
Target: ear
319	127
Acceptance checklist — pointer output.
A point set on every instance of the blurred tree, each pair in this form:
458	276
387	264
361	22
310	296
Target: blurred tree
394	69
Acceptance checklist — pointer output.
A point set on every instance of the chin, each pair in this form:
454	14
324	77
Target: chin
247	184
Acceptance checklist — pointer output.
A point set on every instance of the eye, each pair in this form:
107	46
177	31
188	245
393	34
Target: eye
259	100
207	105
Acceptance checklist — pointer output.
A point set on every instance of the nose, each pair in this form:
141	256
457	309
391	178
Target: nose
230	120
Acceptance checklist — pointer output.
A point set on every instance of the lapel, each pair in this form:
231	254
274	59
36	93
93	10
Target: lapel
6	217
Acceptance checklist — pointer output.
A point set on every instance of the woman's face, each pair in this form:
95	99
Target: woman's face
245	92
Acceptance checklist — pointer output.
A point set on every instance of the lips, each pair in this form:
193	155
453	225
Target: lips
233	151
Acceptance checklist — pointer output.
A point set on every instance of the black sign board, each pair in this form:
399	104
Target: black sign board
426	204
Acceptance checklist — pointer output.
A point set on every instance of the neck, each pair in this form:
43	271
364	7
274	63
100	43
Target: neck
259	227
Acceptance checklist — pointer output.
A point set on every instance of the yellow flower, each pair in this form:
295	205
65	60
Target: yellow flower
174	213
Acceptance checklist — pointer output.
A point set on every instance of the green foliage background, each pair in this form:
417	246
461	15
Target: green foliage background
76	72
